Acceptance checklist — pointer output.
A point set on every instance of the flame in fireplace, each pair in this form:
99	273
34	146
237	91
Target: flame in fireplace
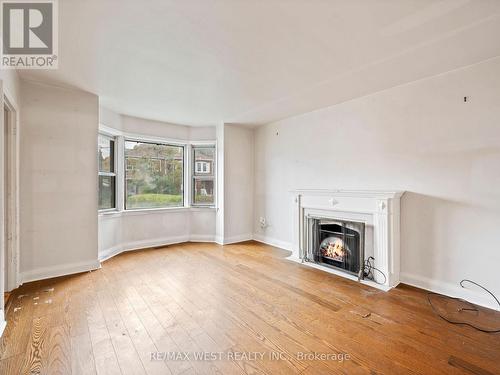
334	248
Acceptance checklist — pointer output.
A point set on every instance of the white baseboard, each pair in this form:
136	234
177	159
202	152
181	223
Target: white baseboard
239	238
477	296
201	238
273	242
110	252
137	245
59	270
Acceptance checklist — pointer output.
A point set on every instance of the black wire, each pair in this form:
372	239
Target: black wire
482	287
368	271
473	307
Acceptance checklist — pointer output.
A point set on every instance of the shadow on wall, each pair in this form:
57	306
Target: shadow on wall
462	236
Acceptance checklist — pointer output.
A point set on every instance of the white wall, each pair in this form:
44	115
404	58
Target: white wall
129	230
58	181
238	183
422	138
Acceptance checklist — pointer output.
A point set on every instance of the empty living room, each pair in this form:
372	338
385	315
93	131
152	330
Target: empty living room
250	187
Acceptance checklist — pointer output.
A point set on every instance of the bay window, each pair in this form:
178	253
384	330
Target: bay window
140	173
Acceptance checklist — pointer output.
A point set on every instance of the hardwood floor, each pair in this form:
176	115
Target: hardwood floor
239	301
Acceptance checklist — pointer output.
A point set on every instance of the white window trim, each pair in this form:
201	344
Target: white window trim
120	138
213	177
111	174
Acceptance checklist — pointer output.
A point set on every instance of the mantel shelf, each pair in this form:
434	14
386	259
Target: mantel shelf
381	194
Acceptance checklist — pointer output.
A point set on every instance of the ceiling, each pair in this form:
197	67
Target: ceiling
201	62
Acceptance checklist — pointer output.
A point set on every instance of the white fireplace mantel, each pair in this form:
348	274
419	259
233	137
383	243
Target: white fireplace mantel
379	210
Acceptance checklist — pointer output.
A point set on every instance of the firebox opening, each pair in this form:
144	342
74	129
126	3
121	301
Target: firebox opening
338	244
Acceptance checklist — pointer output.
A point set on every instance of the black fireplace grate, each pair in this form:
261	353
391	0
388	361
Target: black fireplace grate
337	244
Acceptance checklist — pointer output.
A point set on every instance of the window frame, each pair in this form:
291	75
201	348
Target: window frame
159	143
108	174
193	177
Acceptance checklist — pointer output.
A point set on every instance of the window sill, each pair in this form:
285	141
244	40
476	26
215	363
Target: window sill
109	211
202	208
147	211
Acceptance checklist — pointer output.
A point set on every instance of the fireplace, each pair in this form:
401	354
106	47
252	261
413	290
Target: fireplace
360	225
336	243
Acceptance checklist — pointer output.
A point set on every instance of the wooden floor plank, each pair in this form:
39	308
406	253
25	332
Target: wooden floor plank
37	352
58	358
103	351
82	358
128	358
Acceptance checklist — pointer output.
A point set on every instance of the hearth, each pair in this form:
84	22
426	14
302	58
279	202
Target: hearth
336	243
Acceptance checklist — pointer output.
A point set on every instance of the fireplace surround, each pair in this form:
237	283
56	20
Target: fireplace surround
338	230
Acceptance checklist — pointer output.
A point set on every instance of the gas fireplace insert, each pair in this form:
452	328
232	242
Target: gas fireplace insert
336	243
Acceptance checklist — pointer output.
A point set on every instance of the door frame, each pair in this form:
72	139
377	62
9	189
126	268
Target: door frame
11	218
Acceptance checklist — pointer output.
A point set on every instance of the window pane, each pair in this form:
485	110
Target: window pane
153	175
204	161
203	192
106	154
106	192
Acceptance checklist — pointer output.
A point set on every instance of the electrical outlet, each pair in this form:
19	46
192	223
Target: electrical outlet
263	222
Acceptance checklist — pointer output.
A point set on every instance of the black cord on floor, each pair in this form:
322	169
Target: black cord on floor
471	308
368	269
